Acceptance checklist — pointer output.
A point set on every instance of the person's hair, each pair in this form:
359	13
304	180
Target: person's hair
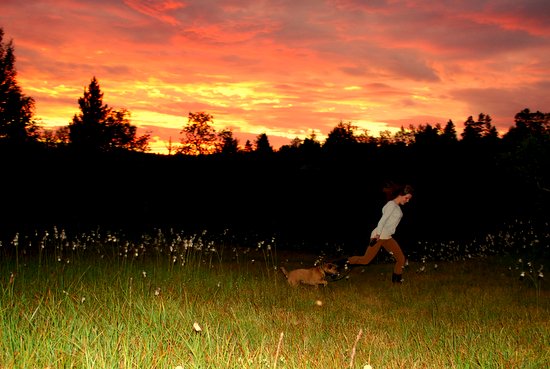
392	190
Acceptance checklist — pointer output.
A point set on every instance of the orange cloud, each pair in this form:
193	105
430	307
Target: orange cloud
157	9
284	68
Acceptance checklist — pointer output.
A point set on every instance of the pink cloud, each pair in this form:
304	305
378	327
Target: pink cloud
285	68
157	9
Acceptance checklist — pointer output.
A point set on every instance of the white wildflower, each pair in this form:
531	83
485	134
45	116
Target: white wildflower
197	327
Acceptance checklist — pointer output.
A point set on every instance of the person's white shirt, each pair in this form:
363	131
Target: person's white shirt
391	216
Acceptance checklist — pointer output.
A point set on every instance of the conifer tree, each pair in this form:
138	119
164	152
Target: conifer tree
262	144
87	131
16	109
99	128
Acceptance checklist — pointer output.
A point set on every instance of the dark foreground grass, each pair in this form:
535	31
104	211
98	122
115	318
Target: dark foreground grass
94	310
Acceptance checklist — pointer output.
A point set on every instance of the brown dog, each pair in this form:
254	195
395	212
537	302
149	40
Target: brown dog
312	276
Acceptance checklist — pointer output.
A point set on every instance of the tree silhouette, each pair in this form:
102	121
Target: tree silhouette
87	130
341	135
199	135
16	109
121	134
262	144
449	133
55	138
472	130
293	147
404	136
308	147
169	146
427	135
528	124
480	130
99	128
228	144
311	143
248	147
528	148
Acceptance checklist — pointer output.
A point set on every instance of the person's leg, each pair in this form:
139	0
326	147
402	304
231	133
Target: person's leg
370	253
393	248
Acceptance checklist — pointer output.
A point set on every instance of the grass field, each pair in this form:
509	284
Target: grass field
169	301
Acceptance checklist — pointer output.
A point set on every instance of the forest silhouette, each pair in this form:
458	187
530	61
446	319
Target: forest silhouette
98	172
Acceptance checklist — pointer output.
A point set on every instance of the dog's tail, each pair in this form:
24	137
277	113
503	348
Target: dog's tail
285	272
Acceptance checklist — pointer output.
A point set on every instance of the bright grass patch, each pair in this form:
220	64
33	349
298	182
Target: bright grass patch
171	300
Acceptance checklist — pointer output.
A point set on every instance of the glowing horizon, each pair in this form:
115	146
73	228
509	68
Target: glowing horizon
286	69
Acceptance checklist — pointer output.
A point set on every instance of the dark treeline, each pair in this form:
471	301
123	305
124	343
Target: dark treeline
97	172
326	194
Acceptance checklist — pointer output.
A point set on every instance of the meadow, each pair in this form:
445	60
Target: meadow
171	299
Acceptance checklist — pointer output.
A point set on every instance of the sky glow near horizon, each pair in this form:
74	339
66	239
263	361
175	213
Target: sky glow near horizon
284	68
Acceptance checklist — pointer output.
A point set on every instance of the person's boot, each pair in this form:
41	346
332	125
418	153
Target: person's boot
397	278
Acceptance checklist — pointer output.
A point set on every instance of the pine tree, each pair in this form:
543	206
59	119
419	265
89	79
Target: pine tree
87	131
449	132
263	146
100	128
16	109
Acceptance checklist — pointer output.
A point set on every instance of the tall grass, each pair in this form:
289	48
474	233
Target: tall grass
101	300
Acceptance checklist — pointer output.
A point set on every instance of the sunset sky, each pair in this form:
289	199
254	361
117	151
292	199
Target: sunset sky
286	68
